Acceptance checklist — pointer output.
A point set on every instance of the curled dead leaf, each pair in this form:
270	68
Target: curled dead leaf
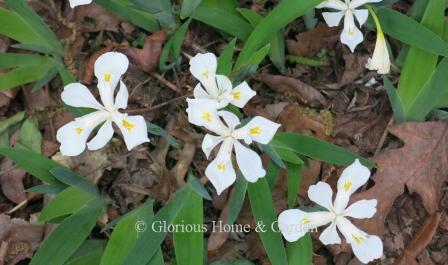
294	88
93	18
148	57
312	41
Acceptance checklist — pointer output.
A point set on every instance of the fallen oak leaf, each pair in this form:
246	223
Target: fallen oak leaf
312	41
420	165
419	241
294	88
148	57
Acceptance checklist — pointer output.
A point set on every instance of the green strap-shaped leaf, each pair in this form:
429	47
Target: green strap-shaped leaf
189	245
68	236
420	65
237	199
51	189
126	233
34	21
301	251
88	254
409	31
30	137
285	12
188	6
67	202
294	178
9	60
149	241
12	26
172	48
23	75
225	59
317	149
33	163
264	213
157	130
73	179
395	101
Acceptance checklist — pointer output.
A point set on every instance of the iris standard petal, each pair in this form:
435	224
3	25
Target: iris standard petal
103	136
362	209
361	15
322	194
249	163
351	35
333	18
330	235
75	3
203	68
241	94
121	101
259	129
73	136
210	142
220	171
78	95
133	129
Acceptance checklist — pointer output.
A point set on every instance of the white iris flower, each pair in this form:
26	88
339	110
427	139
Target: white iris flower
351	35
75	3
73	136
217	88
295	223
220	171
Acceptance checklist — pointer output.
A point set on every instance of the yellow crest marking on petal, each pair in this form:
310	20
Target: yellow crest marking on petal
256	130
305	220
205	74
207	116
107	77
79	130
221	167
236	95
347	185
128	125
358	239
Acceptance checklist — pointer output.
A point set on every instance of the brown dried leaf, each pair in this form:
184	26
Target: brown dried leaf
310	42
148	57
355	65
11	181
420	240
294	88
19	239
93	18
420	165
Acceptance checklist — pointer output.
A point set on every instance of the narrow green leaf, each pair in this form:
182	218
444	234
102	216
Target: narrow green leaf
73	179
12	26
157	130
274	155
188	6
395	102
149	241
171	50
294	177
9	60
68	236
272	172
6	124
34	21
32	162
197	187
317	149
67	202
189	245
232	262
285	12
237	200
51	189
23	75
264	213
124	9
301	251
420	65
225	59
44	80
88	254
228	22
409	31
434	89
126	233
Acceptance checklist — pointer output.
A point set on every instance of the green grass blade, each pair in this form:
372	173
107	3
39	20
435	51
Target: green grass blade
171	50
73	179
420	65
12	26
395	101
51	189
188	6
33	163
301	251
9	60
317	149
23	75
285	12
149	241
68	236
67	202
125	234
237	200
34	21
265	214
88	254
272	172
409	31
225	59
189	246
294	177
